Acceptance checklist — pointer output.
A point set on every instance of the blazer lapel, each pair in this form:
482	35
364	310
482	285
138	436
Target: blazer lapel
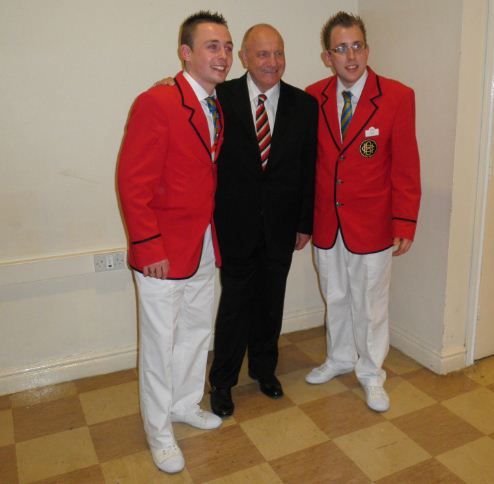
197	119
366	108
242	107
284	113
329	110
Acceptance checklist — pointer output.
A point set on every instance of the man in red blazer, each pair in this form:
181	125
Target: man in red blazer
167	182
367	202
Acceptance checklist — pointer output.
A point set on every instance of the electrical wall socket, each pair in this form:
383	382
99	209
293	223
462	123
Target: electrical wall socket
111	261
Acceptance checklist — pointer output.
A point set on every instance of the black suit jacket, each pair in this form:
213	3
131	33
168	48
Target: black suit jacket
274	204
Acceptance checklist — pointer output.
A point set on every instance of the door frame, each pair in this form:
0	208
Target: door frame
484	173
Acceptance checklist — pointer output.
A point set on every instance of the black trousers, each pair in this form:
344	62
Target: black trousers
249	316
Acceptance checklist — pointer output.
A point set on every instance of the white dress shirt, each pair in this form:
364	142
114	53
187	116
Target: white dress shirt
271	103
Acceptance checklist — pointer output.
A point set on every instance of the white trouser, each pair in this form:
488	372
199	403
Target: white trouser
175	328
356	289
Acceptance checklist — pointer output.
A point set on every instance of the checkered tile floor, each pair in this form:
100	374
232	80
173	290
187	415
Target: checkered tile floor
439	429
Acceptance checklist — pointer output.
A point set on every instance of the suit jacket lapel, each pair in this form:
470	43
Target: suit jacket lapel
284	113
329	110
197	118
366	108
242	106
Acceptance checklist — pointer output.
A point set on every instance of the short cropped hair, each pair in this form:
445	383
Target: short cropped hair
190	23
341	19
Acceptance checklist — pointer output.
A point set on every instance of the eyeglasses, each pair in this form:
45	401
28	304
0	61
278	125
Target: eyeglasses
343	49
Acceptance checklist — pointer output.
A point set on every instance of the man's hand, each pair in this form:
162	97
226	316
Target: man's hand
158	270
402	246
301	241
167	81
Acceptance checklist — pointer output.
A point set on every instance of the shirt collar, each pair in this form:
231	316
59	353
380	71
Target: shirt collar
272	93
199	91
356	89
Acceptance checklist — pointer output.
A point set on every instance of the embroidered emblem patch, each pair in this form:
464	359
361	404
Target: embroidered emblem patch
368	148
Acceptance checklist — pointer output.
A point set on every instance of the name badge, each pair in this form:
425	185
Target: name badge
371	132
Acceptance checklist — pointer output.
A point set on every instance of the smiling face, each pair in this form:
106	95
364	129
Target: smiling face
209	59
263	55
349	67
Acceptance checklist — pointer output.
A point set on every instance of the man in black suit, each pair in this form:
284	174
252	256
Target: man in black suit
264	210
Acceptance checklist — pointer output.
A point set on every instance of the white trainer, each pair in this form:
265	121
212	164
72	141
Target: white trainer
198	418
169	459
377	398
324	373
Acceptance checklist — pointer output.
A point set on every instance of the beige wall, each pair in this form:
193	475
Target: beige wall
70	71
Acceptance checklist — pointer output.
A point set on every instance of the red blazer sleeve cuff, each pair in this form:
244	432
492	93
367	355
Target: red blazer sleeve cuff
404	229
148	251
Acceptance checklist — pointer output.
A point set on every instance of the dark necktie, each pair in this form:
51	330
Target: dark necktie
346	113
262	130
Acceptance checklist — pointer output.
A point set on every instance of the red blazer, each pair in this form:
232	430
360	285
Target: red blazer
369	186
167	179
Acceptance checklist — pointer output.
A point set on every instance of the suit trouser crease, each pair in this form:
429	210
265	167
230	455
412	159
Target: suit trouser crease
175	328
356	290
249	316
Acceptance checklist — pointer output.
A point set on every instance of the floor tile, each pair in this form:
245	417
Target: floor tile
315	349
43	394
8	465
321	463
436	429
427	472
6	428
399	363
261	474
441	387
47	418
55	454
5	402
218	453
299	391
281	433
291	359
283	341
473	462
89	475
108	380
476	407
381	450
305	334
109	403
251	403
341	414
482	372
349	380
404	397
139	468
118	438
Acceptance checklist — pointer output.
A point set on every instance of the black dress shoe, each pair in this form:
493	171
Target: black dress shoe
221	401
270	386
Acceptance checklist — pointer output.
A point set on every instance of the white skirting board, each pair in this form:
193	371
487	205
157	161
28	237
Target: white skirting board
115	359
440	362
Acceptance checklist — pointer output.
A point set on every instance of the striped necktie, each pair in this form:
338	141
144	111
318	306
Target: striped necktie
213	109
346	113
262	130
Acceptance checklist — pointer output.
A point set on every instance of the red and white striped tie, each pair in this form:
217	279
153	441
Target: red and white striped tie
262	130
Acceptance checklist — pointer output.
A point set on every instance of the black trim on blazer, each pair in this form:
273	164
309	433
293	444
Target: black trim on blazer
192	110
404	219
179	278
146	240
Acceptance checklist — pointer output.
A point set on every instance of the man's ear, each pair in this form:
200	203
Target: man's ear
184	52
326	58
243	58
